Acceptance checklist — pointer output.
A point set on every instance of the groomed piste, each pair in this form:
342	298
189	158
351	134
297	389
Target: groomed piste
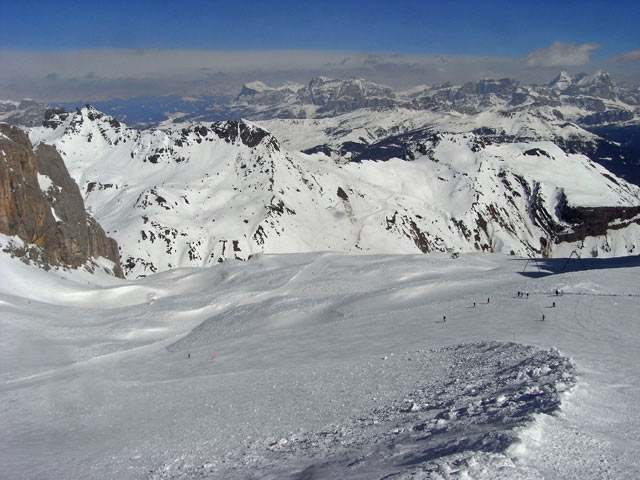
323	366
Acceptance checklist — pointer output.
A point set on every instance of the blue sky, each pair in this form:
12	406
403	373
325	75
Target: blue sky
58	50
500	28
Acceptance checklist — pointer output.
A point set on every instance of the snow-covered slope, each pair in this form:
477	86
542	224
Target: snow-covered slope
326	366
588	115
344	135
194	196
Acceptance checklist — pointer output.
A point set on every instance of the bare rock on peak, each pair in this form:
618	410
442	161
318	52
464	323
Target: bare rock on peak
42	205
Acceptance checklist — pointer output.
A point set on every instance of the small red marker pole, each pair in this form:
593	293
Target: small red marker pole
212	357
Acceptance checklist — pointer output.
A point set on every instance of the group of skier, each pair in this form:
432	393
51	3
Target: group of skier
519	295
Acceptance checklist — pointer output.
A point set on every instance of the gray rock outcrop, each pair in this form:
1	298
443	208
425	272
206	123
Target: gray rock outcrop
50	215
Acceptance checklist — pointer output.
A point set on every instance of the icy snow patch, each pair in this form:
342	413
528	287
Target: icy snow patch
472	397
44	182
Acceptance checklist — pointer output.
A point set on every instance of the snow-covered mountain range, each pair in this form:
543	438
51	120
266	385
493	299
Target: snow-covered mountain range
577	97
311	359
25	113
196	194
586	114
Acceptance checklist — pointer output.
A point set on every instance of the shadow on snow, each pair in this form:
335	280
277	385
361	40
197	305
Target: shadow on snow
541	267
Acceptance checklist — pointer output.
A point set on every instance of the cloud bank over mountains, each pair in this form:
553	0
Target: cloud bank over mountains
562	54
631	56
100	74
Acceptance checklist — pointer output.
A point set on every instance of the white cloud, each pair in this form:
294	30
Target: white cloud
101	74
561	54
630	56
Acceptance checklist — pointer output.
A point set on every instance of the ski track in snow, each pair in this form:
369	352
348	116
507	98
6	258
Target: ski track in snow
326	366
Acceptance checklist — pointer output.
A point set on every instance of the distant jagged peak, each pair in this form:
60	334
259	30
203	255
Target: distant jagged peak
490	85
24	113
597	84
93	114
87	108
256	86
322	79
599	77
363	81
562	81
351	81
54	117
294	86
259	93
321	96
240	131
329	88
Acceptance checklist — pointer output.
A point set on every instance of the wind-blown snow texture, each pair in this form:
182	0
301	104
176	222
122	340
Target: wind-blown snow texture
471	399
197	195
325	365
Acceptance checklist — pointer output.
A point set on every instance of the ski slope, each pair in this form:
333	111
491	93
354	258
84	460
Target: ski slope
326	366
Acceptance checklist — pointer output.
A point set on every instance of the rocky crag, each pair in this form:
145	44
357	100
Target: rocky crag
42	205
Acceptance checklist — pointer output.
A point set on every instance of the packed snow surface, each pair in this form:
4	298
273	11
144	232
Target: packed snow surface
323	365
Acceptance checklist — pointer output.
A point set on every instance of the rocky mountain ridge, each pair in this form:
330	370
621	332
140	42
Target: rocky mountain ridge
586	114
25	113
585	99
324	97
197	194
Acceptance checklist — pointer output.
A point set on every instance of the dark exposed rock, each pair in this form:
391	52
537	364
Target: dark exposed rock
354	148
56	220
403	146
335	97
608	116
53	117
279	208
249	135
326	149
536	152
594	221
588	103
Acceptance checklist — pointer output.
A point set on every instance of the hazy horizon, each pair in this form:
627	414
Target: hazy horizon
63	51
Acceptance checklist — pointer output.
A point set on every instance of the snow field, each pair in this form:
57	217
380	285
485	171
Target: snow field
96	383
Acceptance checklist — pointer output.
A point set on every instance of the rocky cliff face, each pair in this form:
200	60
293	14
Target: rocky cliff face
42	205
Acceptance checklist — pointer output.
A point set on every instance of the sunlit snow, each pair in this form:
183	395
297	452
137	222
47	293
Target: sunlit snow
323	366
